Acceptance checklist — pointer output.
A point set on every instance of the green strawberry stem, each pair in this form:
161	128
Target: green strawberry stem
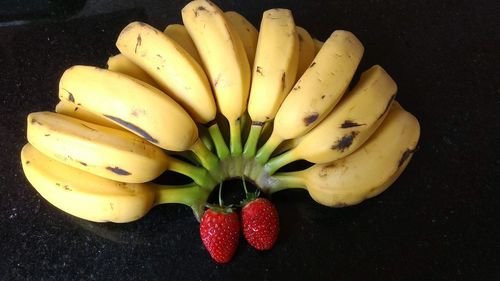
190	195
218	140
198	174
207	159
267	149
279	161
235	137
281	181
253	139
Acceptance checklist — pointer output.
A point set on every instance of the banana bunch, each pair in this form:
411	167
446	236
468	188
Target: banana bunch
216	98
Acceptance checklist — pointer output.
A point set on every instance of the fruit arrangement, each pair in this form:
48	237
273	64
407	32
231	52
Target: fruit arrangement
215	99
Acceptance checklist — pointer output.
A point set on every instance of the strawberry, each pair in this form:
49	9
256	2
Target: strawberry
260	223
220	231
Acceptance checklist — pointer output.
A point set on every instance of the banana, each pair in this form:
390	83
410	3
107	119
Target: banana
130	103
366	172
317	91
307	50
317	45
70	109
175	71
98	199
120	63
274	72
349	125
247	32
180	35
224	59
106	152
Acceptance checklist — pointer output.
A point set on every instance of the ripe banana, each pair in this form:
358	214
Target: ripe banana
130	103
349	125
224	59
106	152
180	35
317	91
317	45
307	50
366	172
175	71
70	109
94	198
274	72
247	32
121	64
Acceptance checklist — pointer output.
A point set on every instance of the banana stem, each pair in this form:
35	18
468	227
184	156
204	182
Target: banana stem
207	159
218	140
282	181
190	195
235	137
279	161
253	139
200	176
205	137
265	151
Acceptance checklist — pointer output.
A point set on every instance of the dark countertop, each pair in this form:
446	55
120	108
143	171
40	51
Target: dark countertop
435	223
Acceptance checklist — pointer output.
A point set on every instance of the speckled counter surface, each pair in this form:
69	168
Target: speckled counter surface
435	223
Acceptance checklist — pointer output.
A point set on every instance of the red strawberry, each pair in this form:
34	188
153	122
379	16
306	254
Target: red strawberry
260	223
220	233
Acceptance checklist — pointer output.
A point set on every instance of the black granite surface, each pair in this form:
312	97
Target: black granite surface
435	223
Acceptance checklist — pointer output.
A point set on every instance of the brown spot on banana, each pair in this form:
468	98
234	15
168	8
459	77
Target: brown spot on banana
199	9
259	70
35	122
82	163
138	42
296	88
27	162
312	64
47	135
283	82
350	124
118	171
344	142
406	154
311	118
88	127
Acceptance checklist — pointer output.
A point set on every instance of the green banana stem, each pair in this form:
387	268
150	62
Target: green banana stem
253	139
200	176
279	161
190	195
207	159
205	137
235	137
218	140
282	181
267	149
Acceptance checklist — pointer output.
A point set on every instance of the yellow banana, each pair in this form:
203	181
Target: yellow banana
106	152
224	59
366	172
247	32
274	70
98	199
175	71
120	63
317	91
180	35
317	45
130	103
307	50
349	125
70	109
